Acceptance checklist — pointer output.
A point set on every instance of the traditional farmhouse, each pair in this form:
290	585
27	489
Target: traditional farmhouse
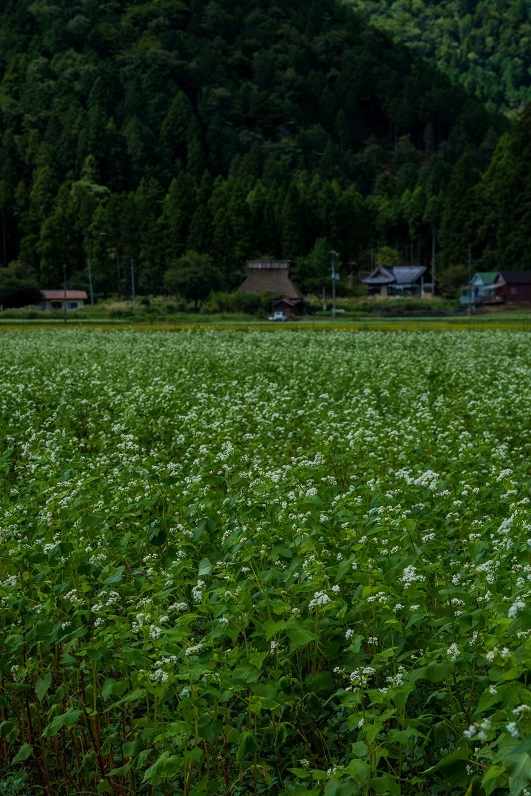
399	280
54	299
481	289
513	287
270	276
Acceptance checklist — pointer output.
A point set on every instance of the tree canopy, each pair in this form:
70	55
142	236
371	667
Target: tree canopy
149	130
482	44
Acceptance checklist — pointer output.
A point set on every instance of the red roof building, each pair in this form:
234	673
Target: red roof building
54	299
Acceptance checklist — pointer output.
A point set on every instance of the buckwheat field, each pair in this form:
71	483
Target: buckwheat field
245	563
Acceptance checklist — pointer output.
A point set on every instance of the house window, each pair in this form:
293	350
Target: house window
514	291
57	305
72	305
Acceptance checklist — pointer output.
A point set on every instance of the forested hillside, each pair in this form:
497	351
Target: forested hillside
483	44
149	130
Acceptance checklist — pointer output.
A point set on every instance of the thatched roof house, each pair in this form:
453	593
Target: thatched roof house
270	276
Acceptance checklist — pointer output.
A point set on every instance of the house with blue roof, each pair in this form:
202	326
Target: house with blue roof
395	281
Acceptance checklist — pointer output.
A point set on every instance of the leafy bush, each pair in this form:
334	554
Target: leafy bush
18	287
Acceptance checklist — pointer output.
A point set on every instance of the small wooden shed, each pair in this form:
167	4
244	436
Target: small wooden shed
292	307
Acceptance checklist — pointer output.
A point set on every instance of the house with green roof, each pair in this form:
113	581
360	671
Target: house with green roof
481	289
483	278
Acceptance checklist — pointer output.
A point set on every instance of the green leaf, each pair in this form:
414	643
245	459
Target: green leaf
257	659
23	753
489	781
403	736
132	748
67	719
136	693
13	643
511	674
205	567
385	784
121	771
157	537
359	749
42	685
166	766
359	769
298	635
272	628
301	773
462	753
320	681
245	674
9	730
40	632
453	766
333	787
269	704
435	672
371	729
523	746
518	765
116	578
414	618
112	687
400	696
195	754
247	745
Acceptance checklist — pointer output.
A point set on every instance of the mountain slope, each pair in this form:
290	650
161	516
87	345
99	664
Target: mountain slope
143	130
483	44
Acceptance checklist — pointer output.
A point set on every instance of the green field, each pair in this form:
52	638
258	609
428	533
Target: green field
243	563
352	321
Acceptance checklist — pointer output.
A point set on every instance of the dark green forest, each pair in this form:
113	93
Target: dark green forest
483	44
158	131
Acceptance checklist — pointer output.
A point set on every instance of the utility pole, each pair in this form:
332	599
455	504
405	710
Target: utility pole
133	284
90	283
4	248
433	262
64	293
469	280
334	255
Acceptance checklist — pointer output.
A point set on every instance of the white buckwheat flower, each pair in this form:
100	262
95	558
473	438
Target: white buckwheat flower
518	605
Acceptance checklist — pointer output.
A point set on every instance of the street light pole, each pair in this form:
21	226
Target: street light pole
64	292
469	280
90	282
333	254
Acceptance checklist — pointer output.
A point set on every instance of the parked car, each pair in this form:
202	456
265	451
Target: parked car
278	315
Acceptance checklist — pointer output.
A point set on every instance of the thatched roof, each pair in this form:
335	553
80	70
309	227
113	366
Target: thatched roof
270	276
